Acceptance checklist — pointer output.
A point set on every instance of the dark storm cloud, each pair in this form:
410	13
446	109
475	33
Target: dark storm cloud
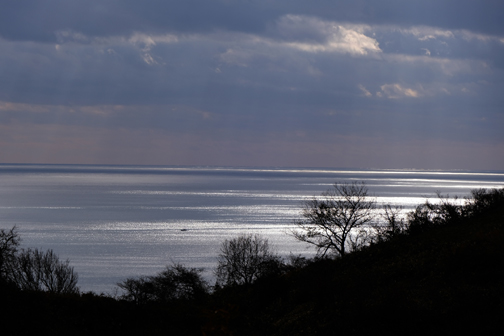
39	20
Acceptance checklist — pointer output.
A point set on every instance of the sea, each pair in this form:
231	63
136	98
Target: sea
116	222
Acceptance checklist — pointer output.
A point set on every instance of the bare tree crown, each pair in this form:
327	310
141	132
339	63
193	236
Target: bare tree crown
244	259
335	222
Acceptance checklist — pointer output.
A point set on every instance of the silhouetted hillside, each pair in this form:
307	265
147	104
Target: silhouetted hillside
444	280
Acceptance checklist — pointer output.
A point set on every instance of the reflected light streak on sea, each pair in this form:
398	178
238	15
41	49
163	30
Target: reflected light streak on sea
114	222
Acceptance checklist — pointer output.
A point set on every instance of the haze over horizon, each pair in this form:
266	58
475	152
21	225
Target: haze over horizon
361	83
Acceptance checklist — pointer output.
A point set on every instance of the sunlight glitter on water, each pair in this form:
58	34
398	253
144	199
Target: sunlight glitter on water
115	222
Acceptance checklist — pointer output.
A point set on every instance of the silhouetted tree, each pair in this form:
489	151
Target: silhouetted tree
394	225
137	290
336	221
485	200
9	242
296	262
429	215
43	271
245	259
176	282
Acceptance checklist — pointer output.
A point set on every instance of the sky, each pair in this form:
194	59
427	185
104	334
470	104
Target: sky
414	84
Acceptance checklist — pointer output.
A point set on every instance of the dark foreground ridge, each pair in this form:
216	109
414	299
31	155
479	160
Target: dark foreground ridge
441	277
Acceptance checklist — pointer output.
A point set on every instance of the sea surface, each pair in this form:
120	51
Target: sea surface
114	222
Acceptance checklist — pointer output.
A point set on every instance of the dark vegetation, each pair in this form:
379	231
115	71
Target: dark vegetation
175	283
244	260
33	270
437	270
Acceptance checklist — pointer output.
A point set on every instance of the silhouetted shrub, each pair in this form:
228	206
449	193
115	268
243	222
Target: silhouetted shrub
395	224
484	200
176	282
422	218
297	261
429	215
180	283
137	290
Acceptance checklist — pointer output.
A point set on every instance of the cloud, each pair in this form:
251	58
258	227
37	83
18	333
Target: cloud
236	57
365	91
69	36
333	37
342	40
423	33
396	91
294	49
145	43
149	41
37	21
427	51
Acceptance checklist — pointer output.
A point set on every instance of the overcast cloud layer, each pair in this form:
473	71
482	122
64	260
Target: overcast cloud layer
362	83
